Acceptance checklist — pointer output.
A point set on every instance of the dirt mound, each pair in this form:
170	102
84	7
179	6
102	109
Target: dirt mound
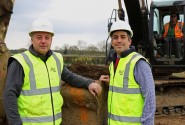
89	70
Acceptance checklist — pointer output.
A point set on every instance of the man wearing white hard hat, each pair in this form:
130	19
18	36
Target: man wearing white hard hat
131	96
32	91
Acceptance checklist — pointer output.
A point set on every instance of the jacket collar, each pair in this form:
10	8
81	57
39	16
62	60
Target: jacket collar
124	53
36	54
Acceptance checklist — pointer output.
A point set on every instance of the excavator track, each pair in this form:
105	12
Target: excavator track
170	96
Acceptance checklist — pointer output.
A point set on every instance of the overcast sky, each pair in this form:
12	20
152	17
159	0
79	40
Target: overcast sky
73	20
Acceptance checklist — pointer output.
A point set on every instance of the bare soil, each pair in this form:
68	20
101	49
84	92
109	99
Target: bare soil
89	71
170	120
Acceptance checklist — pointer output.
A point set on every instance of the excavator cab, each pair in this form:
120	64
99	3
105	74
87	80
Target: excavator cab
160	15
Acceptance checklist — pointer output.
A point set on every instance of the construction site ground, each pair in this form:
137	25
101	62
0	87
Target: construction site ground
95	71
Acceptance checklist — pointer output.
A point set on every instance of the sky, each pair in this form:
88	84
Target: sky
73	20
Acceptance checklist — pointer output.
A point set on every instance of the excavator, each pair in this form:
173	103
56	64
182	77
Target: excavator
146	19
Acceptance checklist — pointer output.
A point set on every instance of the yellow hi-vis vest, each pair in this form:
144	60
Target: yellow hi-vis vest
40	100
125	101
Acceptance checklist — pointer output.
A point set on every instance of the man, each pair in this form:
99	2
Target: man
172	35
131	96
32	91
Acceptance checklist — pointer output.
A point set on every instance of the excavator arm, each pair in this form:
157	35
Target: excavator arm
137	11
121	13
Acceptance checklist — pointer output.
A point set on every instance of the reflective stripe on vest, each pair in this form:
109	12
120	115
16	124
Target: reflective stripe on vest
41	92
177	30
122	88
34	90
124	118
40	119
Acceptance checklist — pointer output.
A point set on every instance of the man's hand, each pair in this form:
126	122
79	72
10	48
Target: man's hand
105	78
95	89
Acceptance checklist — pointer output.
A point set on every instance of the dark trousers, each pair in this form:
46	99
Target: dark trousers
172	46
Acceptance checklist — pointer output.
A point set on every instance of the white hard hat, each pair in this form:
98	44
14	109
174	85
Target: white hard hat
120	25
41	25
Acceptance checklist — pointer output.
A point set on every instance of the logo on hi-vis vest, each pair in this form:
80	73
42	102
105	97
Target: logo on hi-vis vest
53	69
120	72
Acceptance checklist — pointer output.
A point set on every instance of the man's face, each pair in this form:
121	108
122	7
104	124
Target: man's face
120	41
41	42
173	17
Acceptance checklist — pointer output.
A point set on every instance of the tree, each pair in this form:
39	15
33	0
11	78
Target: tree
65	48
81	44
102	46
73	47
92	47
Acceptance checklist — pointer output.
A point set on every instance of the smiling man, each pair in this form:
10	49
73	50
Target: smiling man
131	97
32	90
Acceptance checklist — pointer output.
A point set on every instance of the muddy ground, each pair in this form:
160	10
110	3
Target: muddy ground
94	72
170	120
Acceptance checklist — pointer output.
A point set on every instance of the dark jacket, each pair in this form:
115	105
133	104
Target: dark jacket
15	80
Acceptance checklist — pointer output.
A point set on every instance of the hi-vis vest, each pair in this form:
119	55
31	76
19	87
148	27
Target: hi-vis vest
38	104
125	101
177	30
